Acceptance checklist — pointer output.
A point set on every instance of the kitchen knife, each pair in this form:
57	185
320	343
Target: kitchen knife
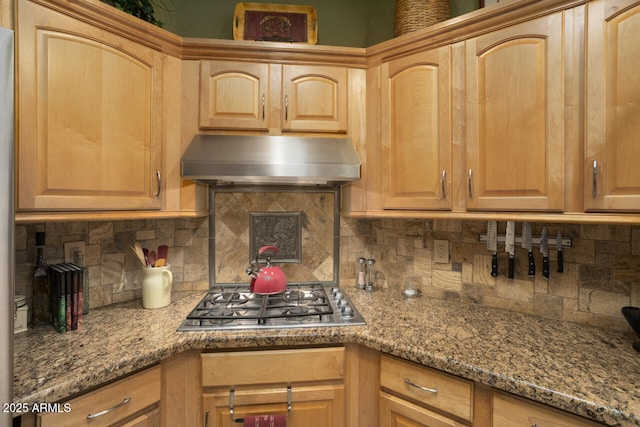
509	246
544	250
492	245
560	256
527	244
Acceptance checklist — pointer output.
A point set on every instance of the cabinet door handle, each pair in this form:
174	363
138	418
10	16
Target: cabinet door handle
106	411
470	181
419	387
286	108
263	101
594	191
444	187
206	418
159	179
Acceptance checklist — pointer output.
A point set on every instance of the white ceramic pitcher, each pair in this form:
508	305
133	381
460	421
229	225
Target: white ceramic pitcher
156	287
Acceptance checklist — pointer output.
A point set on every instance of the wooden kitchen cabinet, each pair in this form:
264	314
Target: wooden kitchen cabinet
412	395
132	401
90	116
515	117
416	133
508	411
260	96
260	379
611	173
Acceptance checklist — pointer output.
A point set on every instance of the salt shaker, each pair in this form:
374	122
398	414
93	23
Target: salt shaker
361	273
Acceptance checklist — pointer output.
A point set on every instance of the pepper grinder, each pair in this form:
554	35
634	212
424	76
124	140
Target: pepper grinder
371	276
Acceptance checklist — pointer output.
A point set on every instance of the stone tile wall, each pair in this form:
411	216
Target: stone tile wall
115	273
601	271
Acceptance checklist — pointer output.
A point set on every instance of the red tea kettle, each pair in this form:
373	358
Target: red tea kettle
267	279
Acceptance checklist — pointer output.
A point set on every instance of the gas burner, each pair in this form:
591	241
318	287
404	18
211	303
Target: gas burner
295	311
298	295
229	297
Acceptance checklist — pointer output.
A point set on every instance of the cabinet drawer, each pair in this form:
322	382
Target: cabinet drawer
448	393
508	411
272	366
142	389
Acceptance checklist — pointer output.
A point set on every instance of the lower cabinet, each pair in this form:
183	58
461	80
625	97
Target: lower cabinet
398	412
412	395
132	401
508	411
304	385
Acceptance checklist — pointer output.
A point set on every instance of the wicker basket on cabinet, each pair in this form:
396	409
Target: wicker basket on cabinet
412	15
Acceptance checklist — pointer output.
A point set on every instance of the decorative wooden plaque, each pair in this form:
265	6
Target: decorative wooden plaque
275	22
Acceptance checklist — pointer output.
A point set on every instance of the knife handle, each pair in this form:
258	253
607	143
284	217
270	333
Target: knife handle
532	265
494	265
545	267
560	262
511	267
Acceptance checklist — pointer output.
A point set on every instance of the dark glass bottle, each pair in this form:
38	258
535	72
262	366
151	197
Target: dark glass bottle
41	302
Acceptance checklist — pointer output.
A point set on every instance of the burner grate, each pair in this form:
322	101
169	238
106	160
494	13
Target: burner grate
237	308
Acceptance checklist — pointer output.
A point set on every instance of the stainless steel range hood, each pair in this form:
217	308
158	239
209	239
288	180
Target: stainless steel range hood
270	160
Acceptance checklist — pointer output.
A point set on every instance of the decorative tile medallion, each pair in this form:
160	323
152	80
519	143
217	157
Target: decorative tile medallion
280	229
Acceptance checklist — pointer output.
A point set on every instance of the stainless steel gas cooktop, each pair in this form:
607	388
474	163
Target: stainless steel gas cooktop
301	305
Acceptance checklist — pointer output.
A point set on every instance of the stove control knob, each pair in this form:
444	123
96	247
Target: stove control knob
332	290
338	295
347	311
341	302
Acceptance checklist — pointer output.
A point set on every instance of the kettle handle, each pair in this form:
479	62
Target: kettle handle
268	248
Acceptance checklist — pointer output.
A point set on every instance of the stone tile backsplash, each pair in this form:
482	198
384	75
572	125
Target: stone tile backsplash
601	269
115	273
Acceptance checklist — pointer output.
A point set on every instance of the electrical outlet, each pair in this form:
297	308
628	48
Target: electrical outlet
72	247
441	251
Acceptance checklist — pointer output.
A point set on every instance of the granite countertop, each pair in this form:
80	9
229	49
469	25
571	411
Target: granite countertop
583	370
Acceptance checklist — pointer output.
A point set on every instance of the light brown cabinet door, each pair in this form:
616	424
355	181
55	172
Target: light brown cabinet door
90	116
416	143
612	154
396	412
313	406
314	98
514	117
234	95
254	96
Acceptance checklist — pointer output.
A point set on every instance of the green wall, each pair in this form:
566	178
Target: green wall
356	23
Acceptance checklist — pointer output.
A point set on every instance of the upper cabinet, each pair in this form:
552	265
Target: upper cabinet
89	108
514	117
612	153
416	131
259	96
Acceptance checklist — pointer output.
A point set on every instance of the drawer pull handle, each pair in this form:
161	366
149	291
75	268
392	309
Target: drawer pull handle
106	411
412	384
